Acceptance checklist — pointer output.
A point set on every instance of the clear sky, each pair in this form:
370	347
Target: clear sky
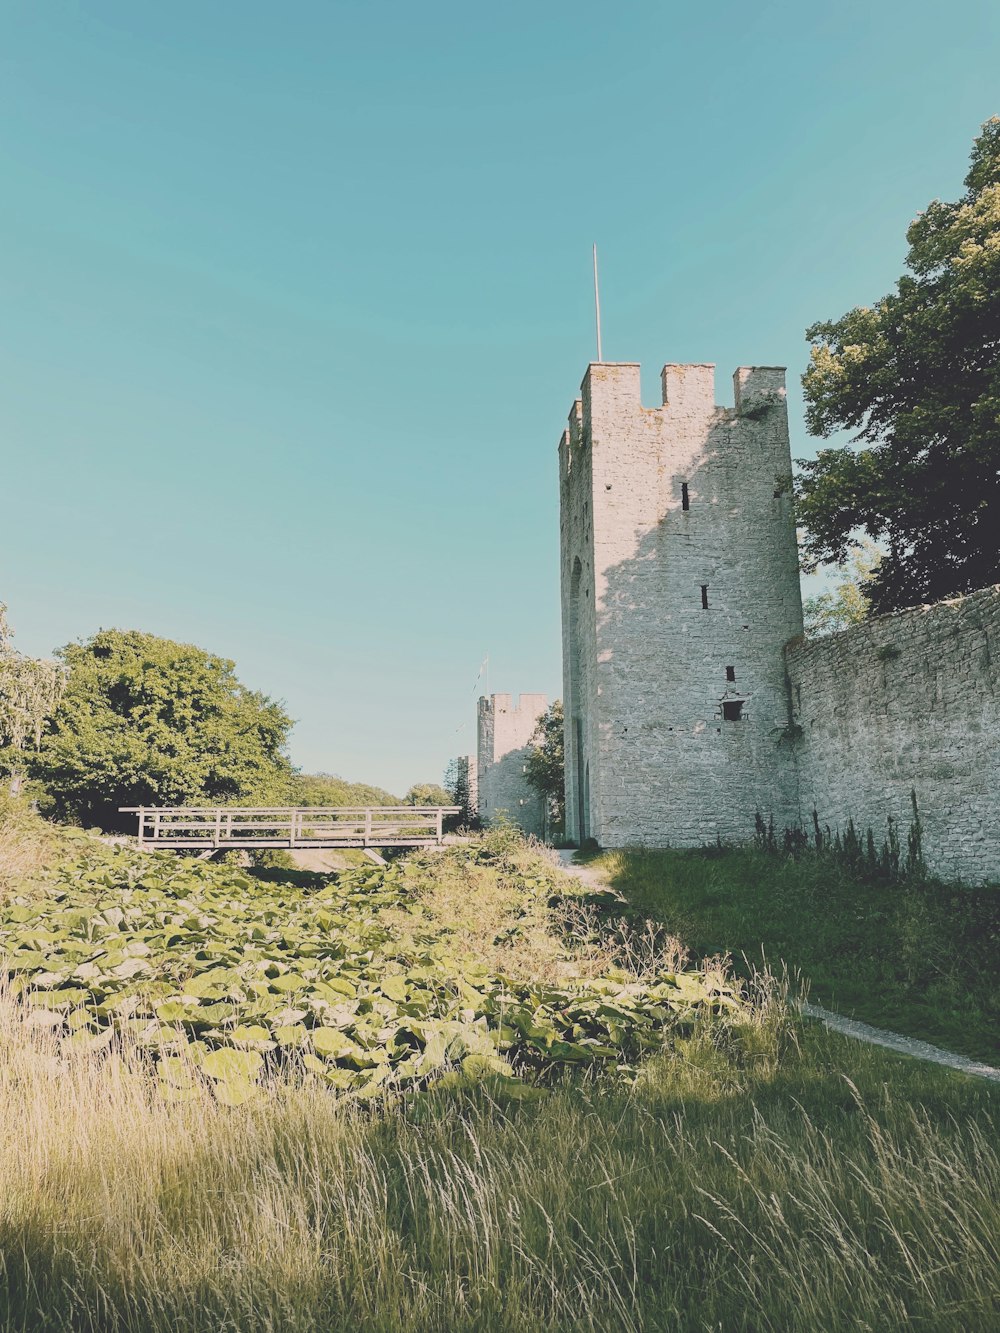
294	300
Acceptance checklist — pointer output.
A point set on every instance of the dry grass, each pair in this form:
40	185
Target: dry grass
28	845
746	1183
22	856
482	908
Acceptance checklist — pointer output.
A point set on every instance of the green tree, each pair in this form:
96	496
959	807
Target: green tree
145	721
846	603
917	379
456	784
427	793
546	766
30	688
324	789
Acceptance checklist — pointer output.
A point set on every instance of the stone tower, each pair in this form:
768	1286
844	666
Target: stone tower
680	589
505	730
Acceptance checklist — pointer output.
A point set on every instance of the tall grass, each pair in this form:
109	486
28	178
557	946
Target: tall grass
758	1177
920	956
28	844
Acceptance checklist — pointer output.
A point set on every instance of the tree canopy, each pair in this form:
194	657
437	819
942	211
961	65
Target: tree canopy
916	377
324	789
146	721
457	785
427	793
846	602
546	766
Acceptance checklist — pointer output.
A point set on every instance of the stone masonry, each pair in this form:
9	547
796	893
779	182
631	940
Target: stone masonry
505	730
679	591
908	702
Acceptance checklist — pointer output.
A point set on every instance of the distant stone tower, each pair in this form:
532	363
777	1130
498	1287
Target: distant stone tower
505	731
680	589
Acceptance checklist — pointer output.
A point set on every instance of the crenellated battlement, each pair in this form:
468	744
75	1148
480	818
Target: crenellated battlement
527	709
686	387
689	388
758	387
611	394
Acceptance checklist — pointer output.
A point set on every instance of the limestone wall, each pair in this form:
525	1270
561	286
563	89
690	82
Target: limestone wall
505	730
679	589
910	701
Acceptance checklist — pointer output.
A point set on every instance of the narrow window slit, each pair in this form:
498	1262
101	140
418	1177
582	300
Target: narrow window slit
704	596
730	673
685	498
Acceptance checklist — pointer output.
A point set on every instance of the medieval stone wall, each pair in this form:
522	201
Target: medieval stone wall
505	730
906	702
679	589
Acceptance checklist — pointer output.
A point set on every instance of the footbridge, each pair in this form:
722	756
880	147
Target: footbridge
295	828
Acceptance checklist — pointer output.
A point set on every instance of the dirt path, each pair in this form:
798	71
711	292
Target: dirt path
848	1027
895	1041
590	875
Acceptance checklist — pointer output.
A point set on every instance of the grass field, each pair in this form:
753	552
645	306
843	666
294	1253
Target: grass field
918	957
764	1178
743	1172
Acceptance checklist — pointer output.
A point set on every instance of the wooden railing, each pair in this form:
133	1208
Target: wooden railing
303	827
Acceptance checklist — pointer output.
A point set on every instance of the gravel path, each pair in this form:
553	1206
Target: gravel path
894	1041
848	1027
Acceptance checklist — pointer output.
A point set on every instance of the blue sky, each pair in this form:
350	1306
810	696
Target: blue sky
294	300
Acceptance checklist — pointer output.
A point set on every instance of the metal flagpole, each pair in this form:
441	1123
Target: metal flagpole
484	667
597	306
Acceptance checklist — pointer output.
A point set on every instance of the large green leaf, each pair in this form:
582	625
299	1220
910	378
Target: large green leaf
394	986
226	1064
